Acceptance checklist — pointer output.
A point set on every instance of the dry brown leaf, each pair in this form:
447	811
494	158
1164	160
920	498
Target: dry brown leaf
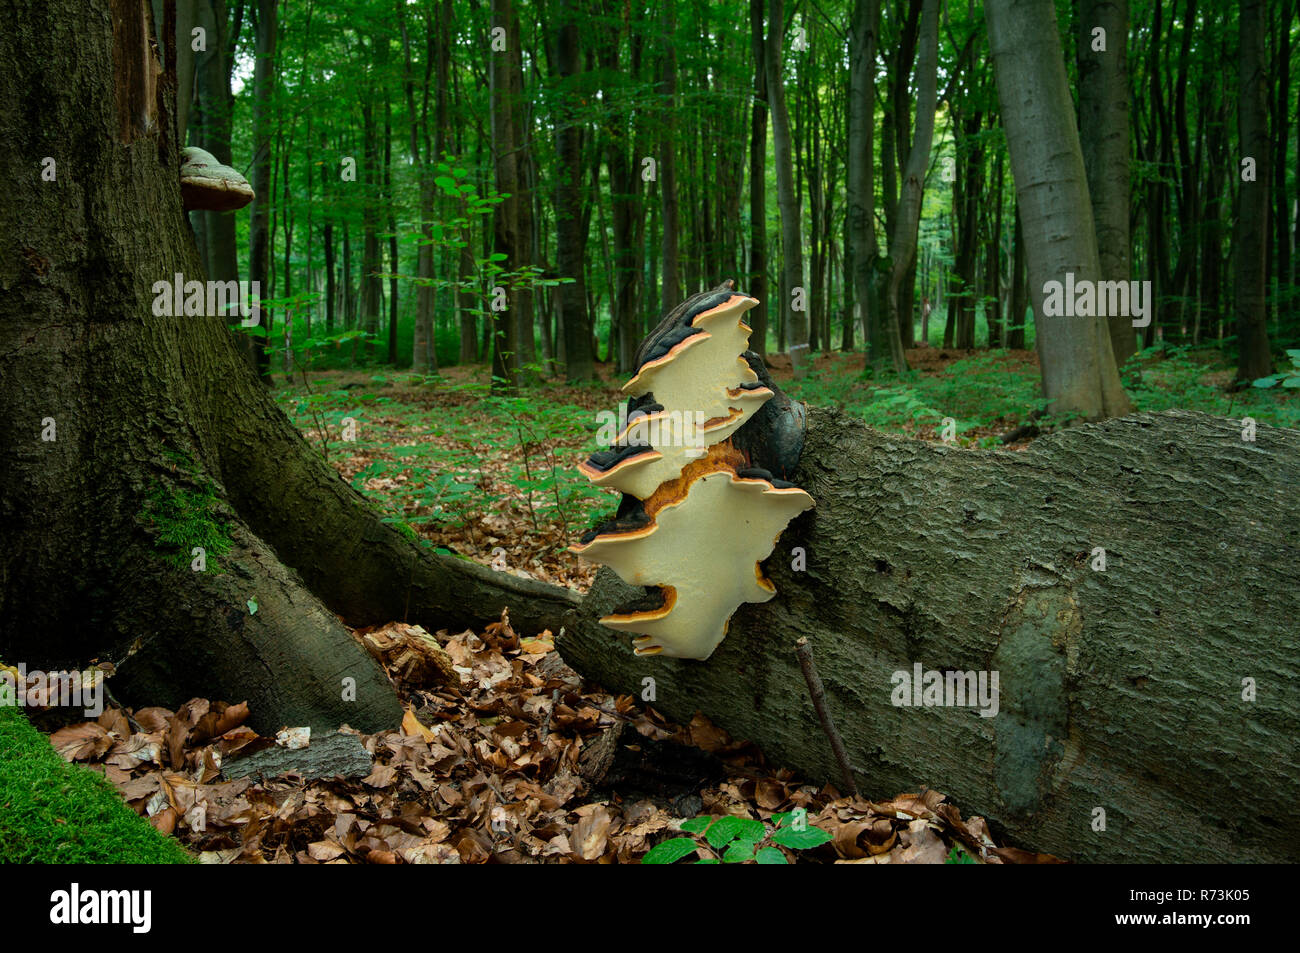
81	742
591	833
411	726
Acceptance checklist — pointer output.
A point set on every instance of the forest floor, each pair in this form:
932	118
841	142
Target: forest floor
505	755
494	479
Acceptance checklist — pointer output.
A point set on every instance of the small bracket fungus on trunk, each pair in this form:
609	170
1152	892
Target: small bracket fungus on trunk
701	507
207	185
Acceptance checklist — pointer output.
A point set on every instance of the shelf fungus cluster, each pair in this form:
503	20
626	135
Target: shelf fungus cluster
701	464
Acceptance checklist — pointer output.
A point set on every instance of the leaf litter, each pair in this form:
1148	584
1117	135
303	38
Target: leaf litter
487	766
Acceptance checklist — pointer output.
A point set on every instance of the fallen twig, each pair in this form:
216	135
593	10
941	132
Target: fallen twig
818	695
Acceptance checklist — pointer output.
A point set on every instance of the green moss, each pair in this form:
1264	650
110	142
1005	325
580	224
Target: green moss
53	812
184	518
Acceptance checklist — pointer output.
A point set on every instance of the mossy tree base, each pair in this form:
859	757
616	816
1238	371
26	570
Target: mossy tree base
121	428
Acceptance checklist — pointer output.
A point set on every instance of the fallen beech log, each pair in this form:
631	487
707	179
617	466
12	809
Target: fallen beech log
1146	711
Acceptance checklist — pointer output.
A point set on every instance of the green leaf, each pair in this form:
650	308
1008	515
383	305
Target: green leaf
801	840
770	855
1263	382
752	830
739	852
697	825
728	829
1291	382
723	831
252	607
959	855
670	851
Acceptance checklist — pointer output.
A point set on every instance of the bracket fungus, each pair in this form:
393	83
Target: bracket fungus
207	185
701	507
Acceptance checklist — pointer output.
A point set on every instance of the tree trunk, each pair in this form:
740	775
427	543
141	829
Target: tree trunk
794	312
212	129
1019	291
1104	137
757	283
372	287
1248	240
394	262
467	300
259	228
507	238
966	191
1078	363
1282	206
672	293
902	245
424	358
861	209
143	436
624	163
1119	690
570	225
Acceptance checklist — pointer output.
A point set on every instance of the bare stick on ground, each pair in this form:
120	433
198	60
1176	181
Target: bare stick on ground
818	695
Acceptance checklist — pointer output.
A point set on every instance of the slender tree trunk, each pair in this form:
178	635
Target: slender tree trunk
1078	362
967	188
211	123
993	267
793	305
468	301
864	28
671	294
1105	140
394	264
570	226
757	315
508	240
259	229
1282	206
372	289
1248	240
902	246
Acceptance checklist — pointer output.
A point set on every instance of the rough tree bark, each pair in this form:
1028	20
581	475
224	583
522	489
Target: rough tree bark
1119	689
158	423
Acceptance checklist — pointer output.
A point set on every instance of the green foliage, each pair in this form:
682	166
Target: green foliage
437	476
1166	377
959	855
977	391
738	840
53	812
1289	378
